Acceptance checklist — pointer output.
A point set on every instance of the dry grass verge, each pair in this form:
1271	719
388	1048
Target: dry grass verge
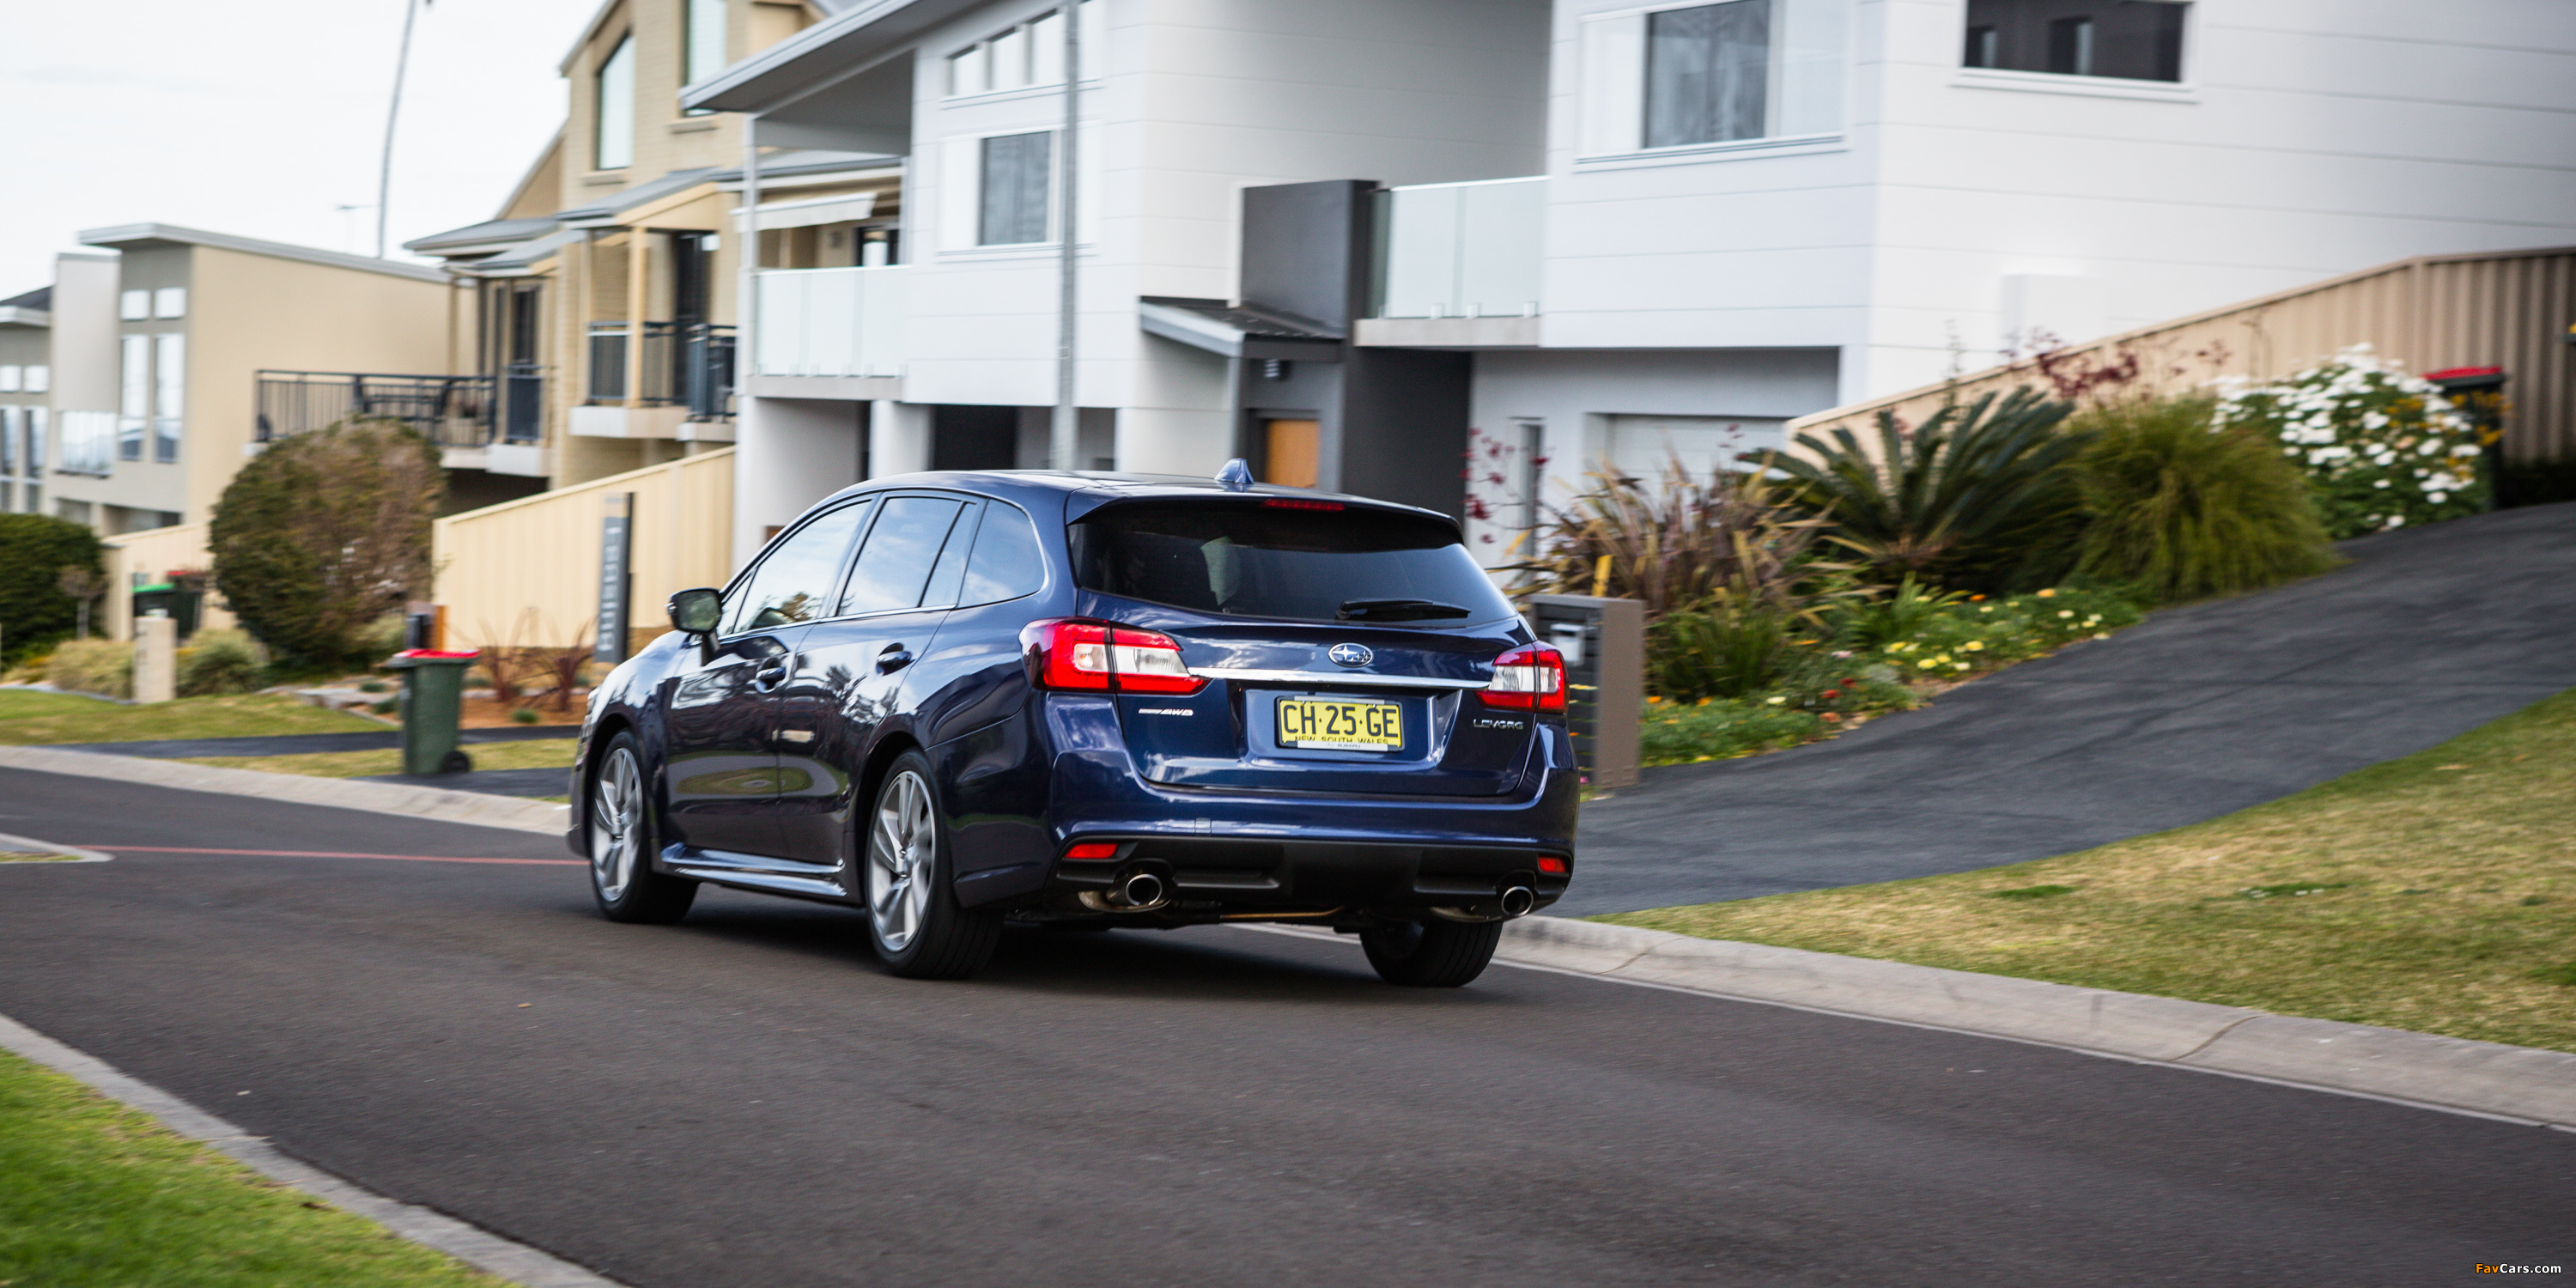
2435	893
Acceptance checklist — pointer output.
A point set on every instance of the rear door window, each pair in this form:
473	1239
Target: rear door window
902	550
795	581
1298	560
1007	562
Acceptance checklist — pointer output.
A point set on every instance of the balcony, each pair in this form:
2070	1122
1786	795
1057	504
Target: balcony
688	365
450	411
1458	264
831	322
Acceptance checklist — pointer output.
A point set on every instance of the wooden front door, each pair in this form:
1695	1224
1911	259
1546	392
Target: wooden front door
1291	452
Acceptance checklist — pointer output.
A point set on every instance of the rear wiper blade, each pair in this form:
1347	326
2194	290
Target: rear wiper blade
1397	610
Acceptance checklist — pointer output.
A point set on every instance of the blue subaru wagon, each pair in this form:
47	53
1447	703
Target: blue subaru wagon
956	700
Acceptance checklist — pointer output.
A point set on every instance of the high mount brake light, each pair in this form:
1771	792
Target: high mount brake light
1290	503
1529	678
1098	658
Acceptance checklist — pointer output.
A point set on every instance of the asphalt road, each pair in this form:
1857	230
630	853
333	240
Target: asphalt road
2197	712
744	1099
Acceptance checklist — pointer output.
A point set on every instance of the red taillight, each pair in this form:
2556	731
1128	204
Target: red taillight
1093	850
1553	865
1292	503
1102	658
1529	678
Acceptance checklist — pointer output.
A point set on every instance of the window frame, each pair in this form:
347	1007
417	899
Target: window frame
1046	200
1589	153
2183	89
600	98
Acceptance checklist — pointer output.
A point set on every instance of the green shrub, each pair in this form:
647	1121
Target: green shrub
34	611
2184	511
1676	733
1975	498
104	667
219	662
323	534
1901	614
1717	652
2381	449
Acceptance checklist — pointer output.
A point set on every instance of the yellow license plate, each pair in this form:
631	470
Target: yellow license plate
1313	724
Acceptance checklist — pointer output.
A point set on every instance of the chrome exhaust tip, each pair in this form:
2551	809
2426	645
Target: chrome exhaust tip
1518	901
1142	890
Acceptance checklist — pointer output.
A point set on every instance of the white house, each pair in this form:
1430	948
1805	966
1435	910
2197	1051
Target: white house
1335	236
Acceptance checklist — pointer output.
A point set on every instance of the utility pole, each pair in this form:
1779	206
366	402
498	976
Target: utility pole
393	111
1066	440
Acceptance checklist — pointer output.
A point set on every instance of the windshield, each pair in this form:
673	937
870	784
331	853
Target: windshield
1298	560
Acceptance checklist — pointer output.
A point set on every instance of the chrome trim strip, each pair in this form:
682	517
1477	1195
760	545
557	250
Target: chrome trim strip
1335	679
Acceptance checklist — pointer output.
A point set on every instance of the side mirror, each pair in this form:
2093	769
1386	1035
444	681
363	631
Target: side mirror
697	612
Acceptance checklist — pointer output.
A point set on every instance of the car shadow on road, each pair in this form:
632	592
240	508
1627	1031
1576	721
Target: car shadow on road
1208	963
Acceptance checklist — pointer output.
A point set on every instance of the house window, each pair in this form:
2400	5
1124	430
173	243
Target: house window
134	306
1014	189
35	445
8	440
9	378
1708	73
134	396
2125	39
169	396
39	379
170	302
706	43
616	101
1025	55
1712	75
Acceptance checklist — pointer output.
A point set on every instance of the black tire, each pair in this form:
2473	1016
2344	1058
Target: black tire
623	840
914	922
1431	954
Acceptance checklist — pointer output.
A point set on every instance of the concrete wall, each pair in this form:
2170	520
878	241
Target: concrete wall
1956	207
1194	101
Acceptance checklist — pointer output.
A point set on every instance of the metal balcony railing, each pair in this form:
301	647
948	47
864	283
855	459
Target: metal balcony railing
451	411
683	364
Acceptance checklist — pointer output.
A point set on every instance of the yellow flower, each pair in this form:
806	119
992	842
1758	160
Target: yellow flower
2048	593
1926	664
2066	612
1775	701
1959	666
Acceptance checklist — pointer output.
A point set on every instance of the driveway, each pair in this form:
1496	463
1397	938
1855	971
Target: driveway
744	1099
2195	713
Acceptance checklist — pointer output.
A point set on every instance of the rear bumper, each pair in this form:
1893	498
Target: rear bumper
1228	875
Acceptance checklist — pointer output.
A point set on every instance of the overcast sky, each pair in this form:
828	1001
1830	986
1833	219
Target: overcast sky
262	117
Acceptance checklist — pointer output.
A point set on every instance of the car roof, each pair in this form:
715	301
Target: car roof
1102	486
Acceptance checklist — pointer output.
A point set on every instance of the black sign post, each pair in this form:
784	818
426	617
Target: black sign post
616	576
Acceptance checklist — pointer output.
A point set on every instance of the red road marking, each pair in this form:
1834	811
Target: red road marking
331	854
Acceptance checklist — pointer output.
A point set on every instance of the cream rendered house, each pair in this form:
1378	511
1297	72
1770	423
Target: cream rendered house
161	350
603	297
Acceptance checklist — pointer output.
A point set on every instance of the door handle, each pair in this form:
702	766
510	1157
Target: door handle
894	657
769	677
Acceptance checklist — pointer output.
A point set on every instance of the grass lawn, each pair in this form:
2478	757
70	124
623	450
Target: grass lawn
2435	893
95	1195
30	718
539	753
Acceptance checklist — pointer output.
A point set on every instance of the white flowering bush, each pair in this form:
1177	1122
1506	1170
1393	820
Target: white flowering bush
2381	449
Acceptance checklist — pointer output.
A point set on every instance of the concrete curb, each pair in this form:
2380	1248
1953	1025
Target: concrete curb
473	1245
30	845
341	793
2489	1078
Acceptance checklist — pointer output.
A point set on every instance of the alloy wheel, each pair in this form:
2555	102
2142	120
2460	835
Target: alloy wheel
902	848
616	824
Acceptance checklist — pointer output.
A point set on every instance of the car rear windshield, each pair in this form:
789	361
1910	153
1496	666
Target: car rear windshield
1251	559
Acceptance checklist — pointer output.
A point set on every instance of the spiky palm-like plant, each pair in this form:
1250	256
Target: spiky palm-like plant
1976	498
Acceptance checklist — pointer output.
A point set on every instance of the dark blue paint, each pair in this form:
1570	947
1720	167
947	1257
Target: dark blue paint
1471	799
